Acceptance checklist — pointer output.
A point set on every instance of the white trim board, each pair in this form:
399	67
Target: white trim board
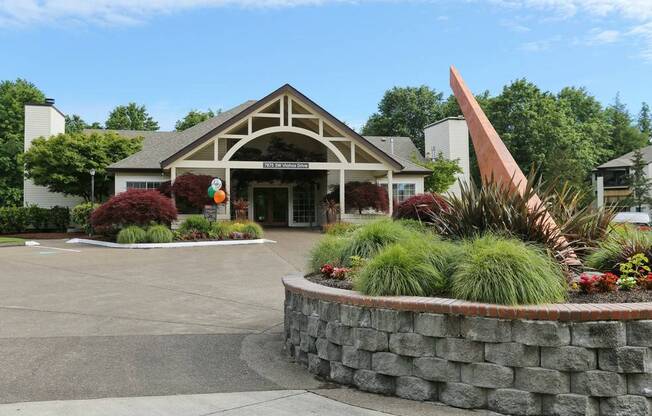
178	244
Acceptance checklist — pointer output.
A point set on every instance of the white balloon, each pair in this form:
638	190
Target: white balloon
216	184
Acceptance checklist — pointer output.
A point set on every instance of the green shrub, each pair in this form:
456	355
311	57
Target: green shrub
397	270
159	234
370	238
60	218
132	235
13	220
340	228
81	215
219	230
195	223
329	249
619	245
252	230
507	271
38	217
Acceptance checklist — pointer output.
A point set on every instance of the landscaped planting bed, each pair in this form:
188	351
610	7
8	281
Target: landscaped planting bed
557	359
481	302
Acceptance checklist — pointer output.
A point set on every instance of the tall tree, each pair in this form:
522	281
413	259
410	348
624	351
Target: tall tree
96	125
639	183
130	117
62	162
75	124
13	97
625	137
543	132
645	120
194	117
405	111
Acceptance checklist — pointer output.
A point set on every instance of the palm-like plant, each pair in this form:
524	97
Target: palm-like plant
496	208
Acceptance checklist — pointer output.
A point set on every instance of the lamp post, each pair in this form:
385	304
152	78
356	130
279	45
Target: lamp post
92	172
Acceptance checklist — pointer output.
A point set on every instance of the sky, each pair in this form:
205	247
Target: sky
177	55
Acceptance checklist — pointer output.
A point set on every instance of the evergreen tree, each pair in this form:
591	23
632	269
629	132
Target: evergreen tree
625	137
639	183
645	120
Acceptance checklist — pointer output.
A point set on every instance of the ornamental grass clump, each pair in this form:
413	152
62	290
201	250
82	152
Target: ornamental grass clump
366	241
507	271
132	235
329	250
159	234
252	230
618	247
398	270
197	224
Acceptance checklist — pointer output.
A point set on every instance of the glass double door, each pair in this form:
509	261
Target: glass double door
271	206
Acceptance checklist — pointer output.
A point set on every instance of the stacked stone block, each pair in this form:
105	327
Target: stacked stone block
512	367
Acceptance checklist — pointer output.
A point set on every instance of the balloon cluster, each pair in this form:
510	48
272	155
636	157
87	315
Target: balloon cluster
215	191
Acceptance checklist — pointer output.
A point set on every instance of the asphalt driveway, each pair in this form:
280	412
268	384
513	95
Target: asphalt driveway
97	331
82	322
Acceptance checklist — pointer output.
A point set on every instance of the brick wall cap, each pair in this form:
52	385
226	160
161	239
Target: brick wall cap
561	312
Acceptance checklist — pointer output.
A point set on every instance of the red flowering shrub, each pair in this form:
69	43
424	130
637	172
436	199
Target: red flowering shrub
646	282
607	283
361	196
133	207
340	273
326	270
588	283
418	207
193	189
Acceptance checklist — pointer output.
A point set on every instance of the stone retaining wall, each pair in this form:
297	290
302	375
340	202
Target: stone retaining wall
510	366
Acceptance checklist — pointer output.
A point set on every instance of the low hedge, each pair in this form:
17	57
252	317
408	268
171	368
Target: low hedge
32	218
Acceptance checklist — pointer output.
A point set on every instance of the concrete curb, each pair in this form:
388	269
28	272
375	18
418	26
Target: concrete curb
179	244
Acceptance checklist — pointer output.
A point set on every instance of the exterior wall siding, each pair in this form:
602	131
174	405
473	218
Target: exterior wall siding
121	179
43	121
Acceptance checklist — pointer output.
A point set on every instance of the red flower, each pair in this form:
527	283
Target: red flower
340	273
607	283
327	270
588	283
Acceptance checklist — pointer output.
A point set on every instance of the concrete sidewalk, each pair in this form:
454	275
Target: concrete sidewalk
268	403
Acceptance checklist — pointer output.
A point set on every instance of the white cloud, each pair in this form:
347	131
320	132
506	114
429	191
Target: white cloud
515	26
636	14
597	36
540	45
118	12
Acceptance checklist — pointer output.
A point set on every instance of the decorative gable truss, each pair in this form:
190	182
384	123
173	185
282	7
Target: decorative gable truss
286	113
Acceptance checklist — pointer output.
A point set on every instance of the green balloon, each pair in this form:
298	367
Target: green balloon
211	192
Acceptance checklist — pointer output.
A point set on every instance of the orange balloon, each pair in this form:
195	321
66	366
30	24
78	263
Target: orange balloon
219	196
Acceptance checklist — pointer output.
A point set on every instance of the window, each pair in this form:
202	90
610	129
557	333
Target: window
402	191
616	177
143	185
303	204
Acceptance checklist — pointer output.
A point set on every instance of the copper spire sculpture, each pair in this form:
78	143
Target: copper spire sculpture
494	159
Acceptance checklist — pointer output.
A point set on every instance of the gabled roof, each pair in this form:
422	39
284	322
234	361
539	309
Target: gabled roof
287	88
626	159
404	151
159	146
162	148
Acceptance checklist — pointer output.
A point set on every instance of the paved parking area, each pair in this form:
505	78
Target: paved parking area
82	322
